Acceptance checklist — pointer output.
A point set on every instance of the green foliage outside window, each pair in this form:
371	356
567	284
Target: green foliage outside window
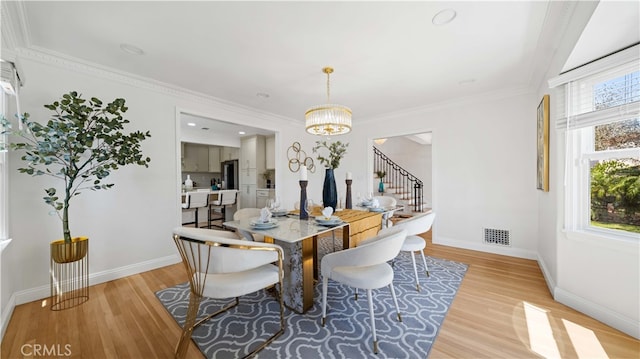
615	194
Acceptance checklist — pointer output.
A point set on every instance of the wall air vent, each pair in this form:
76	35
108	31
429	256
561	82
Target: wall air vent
497	236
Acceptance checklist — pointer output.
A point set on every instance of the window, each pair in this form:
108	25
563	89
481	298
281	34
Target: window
601	117
4	186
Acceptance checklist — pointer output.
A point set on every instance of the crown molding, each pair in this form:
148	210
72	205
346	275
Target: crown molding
462	101
70	63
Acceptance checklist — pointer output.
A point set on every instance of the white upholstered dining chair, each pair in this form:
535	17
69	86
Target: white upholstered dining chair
222	268
364	267
416	225
386	202
246	213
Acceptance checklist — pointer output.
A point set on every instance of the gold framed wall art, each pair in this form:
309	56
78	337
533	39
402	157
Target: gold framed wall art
543	144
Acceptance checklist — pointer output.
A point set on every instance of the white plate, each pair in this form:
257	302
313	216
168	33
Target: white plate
328	221
255	223
280	212
376	209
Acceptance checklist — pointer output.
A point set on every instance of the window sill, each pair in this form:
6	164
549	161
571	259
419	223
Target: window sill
605	238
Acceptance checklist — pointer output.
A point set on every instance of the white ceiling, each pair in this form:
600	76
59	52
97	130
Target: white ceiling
388	56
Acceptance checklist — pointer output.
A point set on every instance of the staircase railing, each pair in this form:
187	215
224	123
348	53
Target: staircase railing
408	186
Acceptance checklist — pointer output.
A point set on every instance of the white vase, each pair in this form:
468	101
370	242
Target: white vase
188	183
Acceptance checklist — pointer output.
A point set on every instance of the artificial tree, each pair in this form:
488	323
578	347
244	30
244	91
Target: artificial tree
81	144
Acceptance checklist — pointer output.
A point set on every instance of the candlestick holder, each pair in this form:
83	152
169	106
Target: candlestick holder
348	204
303	200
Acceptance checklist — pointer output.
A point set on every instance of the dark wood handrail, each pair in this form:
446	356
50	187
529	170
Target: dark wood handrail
399	177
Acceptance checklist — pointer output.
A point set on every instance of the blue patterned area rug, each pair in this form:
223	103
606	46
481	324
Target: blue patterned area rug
347	333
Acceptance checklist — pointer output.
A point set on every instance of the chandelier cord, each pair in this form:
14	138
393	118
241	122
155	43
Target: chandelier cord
328	88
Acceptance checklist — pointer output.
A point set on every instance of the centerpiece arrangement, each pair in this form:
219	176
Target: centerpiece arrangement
337	150
80	145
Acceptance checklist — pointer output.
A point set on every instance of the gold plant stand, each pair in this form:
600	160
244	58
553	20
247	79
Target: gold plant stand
69	273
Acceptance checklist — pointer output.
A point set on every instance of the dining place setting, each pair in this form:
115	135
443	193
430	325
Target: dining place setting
271	214
374	204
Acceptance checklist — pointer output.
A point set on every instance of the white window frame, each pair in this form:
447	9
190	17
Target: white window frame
578	189
580	150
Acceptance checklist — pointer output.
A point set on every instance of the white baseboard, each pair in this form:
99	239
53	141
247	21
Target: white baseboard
6	314
598	312
488	248
41	292
548	278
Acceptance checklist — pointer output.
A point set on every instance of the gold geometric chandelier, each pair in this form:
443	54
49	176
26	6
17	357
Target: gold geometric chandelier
328	119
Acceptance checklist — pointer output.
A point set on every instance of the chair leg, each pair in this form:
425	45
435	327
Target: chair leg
187	329
415	270
373	322
424	260
395	301
196	218
277	334
237	301
325	283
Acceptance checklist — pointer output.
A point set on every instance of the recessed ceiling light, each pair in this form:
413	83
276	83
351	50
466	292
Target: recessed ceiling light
132	49
262	94
444	17
191	124
241	132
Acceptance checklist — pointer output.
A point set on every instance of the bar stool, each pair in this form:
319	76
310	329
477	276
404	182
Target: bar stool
193	202
218	207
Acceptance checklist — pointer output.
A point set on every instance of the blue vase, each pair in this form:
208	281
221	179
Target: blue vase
329	191
381	186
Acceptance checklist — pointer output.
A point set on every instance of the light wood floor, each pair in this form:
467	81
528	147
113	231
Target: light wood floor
502	310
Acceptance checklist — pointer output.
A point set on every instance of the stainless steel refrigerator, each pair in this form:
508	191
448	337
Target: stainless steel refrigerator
230	174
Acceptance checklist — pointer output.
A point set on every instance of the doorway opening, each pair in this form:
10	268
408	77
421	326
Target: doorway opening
402	169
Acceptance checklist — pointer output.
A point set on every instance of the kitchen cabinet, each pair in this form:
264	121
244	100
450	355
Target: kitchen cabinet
248	196
249	176
196	158
229	153
263	195
252	153
252	165
214	159
270	152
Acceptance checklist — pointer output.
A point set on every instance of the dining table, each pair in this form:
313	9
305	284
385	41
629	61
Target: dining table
299	241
